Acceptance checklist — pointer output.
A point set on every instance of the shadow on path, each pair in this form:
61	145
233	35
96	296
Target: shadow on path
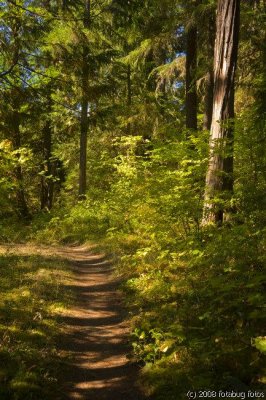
95	335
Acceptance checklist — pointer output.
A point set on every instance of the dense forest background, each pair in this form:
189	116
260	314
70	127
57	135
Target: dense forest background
141	125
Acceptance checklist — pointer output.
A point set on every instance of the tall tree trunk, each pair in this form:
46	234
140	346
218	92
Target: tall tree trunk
22	206
14	124
208	98
219	178
129	96
191	85
208	101
84	121
47	184
64	5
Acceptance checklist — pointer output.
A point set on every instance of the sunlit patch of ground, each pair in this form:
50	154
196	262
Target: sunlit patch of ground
32	295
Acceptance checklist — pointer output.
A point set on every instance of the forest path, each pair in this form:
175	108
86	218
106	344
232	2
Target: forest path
94	331
97	333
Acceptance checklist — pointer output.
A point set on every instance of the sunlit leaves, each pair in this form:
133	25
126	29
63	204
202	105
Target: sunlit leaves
260	343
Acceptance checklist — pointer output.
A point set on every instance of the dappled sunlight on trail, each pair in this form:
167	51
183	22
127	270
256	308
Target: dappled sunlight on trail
96	334
92	344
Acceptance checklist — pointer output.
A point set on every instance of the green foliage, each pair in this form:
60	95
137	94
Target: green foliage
11	159
199	310
81	224
260	344
31	299
196	296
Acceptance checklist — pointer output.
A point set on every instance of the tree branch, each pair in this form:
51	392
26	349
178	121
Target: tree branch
9	70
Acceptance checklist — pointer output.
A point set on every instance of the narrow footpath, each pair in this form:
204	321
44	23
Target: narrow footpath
96	334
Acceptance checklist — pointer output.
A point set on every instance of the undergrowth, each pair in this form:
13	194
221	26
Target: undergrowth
32	296
198	312
196	296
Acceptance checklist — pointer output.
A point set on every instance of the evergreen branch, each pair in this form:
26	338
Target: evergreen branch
14	63
41	57
41	96
38	15
43	74
9	70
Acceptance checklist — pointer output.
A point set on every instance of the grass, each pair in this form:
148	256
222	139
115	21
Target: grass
32	296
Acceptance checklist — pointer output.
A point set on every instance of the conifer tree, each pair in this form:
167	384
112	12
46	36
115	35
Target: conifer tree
219	177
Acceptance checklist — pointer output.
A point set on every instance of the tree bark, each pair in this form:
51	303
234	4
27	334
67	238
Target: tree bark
208	101
208	98
219	178
84	121
47	182
129	96
14	124
22	206
191	84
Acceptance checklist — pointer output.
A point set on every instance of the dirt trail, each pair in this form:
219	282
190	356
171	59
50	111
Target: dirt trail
96	334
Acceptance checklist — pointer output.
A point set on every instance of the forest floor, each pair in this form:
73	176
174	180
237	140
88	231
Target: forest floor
95	331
